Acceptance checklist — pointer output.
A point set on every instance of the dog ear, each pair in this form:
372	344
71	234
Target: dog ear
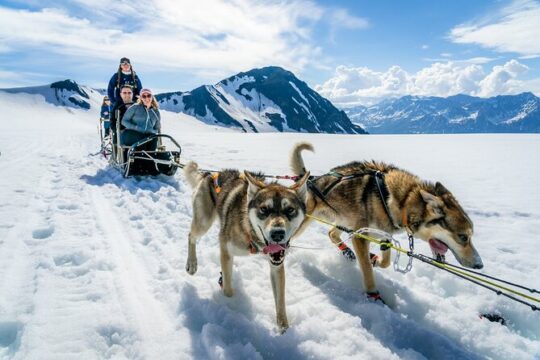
440	189
254	184
433	202
301	187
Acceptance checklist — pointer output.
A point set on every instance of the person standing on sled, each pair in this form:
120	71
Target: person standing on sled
142	120
106	114
124	76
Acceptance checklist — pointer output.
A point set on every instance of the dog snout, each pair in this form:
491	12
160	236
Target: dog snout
277	235
478	266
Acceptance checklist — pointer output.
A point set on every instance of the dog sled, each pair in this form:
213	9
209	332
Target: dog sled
139	160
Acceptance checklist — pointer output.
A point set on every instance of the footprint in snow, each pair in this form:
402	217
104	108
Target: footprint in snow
75	259
69	207
10	333
43	233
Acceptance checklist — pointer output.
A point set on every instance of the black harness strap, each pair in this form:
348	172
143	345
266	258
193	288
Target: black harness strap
339	178
315	190
384	194
378	176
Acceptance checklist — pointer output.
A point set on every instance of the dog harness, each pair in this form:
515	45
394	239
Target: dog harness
378	177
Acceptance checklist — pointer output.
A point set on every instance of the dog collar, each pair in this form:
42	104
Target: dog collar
405	221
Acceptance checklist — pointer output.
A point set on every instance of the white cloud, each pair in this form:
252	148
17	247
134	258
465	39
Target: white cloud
352	86
503	79
513	29
341	18
474	60
202	35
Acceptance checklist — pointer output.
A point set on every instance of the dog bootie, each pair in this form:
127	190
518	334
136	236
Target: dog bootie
347	252
374	258
375	297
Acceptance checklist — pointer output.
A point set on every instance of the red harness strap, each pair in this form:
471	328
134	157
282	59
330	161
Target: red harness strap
217	184
252	248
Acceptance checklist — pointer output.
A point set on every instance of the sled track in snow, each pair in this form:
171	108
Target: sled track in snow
154	323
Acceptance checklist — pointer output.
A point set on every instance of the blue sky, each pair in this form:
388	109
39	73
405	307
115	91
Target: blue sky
353	52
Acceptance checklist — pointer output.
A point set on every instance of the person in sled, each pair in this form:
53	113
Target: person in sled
120	108
105	114
142	120
124	76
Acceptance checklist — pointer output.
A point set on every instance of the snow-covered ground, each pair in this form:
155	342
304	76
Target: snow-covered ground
92	265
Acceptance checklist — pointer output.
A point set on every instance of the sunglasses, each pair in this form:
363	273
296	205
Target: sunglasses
146	96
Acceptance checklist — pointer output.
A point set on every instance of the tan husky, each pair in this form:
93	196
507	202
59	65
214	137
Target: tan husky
381	196
254	217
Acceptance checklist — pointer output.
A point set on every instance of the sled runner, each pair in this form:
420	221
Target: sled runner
105	137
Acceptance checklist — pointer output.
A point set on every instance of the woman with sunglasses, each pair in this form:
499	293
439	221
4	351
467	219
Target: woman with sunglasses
124	76
141	120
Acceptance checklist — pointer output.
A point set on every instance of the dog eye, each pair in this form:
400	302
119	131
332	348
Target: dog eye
290	211
264	210
463	238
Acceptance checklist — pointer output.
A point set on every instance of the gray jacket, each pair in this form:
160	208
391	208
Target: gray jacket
141	119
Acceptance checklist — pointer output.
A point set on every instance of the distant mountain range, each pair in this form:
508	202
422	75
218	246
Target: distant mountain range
260	100
454	114
273	99
65	93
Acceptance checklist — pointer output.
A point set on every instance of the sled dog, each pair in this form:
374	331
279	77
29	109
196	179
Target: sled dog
352	196
254	218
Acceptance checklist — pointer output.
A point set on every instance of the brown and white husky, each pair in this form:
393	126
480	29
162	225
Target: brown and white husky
353	199
254	217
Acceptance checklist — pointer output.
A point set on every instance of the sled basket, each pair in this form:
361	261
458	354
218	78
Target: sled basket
140	162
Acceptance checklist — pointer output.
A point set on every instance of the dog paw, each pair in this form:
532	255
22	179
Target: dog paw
282	326
191	266
228	292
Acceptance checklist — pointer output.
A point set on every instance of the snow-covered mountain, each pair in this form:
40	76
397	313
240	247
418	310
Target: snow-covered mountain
454	114
65	93
262	100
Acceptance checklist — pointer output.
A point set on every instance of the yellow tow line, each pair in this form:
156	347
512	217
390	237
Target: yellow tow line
433	261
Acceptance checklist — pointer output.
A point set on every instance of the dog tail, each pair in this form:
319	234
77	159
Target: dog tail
193	176
296	161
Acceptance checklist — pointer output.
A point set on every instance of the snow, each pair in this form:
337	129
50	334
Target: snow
528	108
299	92
306	110
92	265
62	96
241	108
461	120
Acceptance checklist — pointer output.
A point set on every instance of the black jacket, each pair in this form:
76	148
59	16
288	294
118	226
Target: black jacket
118	112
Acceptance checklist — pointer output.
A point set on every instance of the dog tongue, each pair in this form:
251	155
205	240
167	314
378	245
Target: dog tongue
272	248
438	246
